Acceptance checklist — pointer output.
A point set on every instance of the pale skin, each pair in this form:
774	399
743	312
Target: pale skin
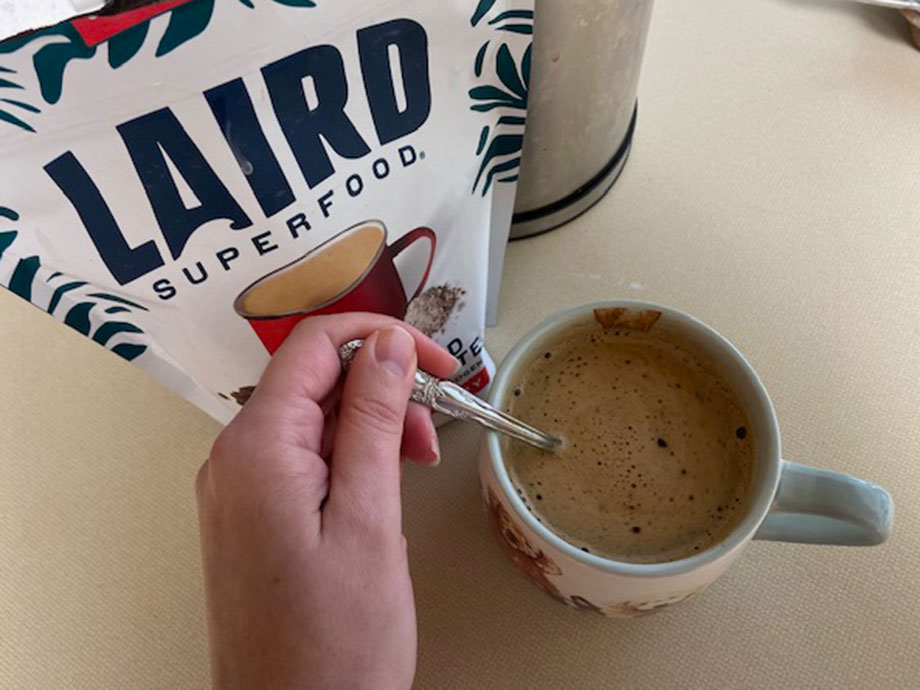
306	575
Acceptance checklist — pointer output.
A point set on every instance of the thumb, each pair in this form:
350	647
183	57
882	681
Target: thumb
364	481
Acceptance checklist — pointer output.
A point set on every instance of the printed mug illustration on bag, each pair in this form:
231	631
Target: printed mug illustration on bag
352	271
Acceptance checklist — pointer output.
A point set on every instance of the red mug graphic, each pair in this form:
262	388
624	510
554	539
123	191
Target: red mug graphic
352	271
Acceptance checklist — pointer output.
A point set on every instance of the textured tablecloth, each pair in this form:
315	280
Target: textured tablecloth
772	191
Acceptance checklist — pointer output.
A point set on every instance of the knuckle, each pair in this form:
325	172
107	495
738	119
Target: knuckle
375	415
201	479
308	329
375	538
301	481
228	453
366	527
391	548
361	512
224	446
244	436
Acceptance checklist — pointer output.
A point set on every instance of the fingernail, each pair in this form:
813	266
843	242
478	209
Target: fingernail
395	349
456	368
435	450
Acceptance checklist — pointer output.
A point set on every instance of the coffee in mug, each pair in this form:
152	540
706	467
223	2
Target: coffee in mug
658	457
595	526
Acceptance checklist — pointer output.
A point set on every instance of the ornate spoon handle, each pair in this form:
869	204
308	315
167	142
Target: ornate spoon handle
450	399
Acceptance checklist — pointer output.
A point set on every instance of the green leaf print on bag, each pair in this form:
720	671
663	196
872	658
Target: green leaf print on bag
185	22
110	328
525	26
5	114
514	79
480	58
124	46
21	280
500	147
52	58
77	317
500	150
75	302
7	238
62	44
482	9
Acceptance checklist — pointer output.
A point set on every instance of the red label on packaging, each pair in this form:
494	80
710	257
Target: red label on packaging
477	382
96	29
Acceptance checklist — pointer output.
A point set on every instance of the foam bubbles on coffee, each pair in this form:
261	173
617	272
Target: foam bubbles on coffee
658	457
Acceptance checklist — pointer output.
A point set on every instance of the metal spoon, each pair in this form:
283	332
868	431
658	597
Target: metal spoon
450	399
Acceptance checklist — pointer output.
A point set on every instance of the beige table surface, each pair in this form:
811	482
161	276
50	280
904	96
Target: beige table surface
773	190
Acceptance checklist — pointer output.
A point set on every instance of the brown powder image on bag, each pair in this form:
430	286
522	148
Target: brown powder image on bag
430	311
241	396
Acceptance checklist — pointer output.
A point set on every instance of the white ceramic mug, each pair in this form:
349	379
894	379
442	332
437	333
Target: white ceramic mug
789	502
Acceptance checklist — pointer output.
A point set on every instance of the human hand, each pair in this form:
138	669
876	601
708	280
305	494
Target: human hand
305	566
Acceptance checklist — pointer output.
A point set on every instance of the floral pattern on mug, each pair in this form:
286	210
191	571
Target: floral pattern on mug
532	561
620	317
580	602
646	607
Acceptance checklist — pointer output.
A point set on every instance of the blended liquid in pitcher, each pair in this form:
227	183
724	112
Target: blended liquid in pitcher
658	458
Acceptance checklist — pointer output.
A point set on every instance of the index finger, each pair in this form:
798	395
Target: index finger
307	364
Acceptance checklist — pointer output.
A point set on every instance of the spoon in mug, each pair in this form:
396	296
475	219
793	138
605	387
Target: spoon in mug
454	401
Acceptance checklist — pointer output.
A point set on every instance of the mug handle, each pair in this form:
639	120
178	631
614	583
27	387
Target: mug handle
815	506
408	239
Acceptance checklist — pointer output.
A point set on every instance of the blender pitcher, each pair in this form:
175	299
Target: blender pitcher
581	107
